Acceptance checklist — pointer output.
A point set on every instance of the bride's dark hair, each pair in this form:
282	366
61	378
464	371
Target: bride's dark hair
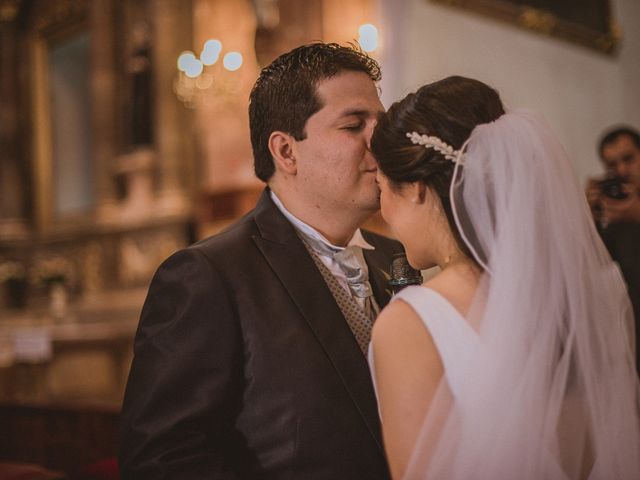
448	109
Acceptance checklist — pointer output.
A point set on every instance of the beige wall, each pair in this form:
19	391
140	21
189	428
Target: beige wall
578	90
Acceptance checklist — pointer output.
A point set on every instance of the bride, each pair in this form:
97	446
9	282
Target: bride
515	361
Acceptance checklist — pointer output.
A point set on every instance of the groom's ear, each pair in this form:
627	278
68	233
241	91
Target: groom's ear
282	152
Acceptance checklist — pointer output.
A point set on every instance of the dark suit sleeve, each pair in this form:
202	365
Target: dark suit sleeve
185	385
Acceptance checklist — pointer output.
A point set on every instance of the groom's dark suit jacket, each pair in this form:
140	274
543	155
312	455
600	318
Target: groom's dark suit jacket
245	367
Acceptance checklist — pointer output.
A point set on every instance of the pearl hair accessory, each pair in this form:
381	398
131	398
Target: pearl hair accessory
434	142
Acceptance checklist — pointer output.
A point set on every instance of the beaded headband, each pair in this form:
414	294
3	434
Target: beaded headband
434	142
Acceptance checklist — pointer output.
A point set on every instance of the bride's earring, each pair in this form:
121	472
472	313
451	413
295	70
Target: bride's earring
451	257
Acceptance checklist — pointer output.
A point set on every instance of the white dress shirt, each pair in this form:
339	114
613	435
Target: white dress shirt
357	241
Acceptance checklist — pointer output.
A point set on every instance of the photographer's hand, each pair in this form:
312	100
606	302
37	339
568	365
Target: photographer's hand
594	198
626	210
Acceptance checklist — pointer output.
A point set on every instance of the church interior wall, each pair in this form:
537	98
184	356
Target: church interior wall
580	91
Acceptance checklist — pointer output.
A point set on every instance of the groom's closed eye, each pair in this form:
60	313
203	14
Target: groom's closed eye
355	127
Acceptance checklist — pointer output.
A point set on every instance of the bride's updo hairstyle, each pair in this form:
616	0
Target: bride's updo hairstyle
448	109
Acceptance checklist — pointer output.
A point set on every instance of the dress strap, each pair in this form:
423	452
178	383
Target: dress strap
454	338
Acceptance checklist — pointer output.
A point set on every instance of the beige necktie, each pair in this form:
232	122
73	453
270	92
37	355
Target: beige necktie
359	322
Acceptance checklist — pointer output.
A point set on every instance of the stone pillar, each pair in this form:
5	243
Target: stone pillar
172	129
104	103
13	171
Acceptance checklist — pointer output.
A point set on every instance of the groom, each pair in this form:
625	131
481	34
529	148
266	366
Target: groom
250	354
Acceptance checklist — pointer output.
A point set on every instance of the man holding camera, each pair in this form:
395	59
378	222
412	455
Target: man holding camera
615	203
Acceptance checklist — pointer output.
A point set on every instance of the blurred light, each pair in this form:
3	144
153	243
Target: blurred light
211	51
204	81
185	60
232	61
194	69
368	37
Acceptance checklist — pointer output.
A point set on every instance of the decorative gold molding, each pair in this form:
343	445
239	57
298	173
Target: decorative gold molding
538	20
42	138
610	42
60	12
9	10
544	22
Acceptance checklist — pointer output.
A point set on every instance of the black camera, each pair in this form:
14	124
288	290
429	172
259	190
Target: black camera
612	187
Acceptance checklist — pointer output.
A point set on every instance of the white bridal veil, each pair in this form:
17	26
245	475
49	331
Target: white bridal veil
550	391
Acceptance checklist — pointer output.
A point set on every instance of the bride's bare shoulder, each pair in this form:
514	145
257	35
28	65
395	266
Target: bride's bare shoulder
396	317
407	370
398	328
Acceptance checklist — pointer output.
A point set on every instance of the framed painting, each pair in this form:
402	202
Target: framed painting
585	22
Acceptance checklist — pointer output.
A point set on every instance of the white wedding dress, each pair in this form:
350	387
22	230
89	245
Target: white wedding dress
539	376
457	344
454	338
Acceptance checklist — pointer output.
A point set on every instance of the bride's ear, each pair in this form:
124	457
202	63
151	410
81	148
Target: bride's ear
418	192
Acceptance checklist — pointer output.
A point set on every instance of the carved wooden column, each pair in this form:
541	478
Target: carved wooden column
13	174
104	102
173	132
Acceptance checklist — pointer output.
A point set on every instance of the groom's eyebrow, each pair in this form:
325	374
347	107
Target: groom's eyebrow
357	112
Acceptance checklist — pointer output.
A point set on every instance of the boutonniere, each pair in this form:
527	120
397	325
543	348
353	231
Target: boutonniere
385	274
387	277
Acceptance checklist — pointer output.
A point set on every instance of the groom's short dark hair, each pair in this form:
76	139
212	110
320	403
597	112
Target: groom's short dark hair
285	94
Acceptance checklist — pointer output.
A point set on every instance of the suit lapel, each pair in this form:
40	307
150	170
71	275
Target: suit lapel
287	256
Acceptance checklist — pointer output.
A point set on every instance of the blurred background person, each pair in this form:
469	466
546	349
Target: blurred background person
615	204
